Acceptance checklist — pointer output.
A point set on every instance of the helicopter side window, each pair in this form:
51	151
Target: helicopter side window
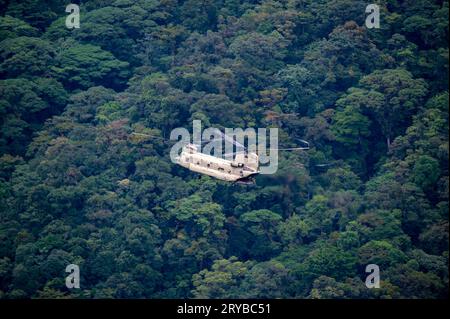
191	148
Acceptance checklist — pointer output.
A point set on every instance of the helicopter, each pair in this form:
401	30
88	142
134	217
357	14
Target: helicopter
241	169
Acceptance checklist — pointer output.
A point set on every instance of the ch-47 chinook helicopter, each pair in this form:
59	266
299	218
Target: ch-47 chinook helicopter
242	168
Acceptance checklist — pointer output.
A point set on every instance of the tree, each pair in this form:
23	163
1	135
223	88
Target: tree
86	178
222	281
266	280
380	224
200	218
328	261
24	106
259	50
381	253
294	230
262	225
328	288
341	178
83	106
426	172
434	238
394	95
27	57
350	126
199	17
416	284
81	66
302	85
351	130
12	28
157	104
215	109
106	28
33	12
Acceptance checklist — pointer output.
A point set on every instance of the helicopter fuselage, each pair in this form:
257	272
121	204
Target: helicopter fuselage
241	168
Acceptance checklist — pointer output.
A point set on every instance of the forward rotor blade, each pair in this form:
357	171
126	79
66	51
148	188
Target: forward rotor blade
231	140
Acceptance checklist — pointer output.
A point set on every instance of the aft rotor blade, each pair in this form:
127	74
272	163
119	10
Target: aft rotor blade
294	148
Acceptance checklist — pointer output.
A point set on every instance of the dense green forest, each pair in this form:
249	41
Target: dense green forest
77	187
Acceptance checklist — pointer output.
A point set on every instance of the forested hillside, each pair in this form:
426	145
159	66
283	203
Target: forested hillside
77	187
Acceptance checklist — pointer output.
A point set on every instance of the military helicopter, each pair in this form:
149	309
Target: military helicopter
242	168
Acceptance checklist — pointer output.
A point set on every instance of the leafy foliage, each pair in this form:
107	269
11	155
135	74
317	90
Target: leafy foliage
78	185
